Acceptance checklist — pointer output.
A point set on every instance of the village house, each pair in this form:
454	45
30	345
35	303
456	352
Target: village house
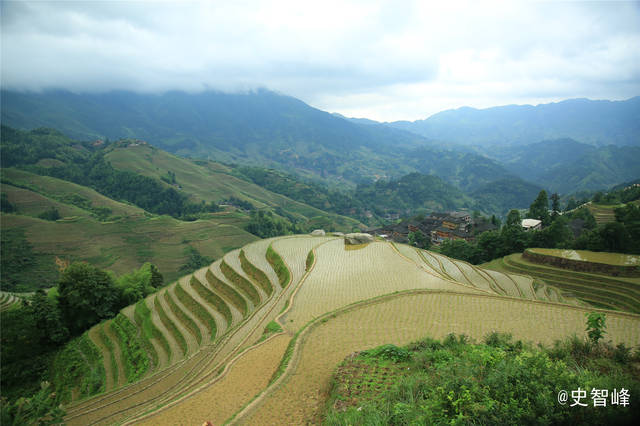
531	224
437	226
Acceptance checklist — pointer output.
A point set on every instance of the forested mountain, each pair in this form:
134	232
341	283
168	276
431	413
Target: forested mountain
565	165
587	121
270	130
260	127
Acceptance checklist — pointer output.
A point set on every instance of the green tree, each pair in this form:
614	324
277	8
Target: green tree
555	205
5	205
157	280
419	240
51	214
41	409
195	260
513	218
47	319
86	295
490	245
539	209
137	284
595	326
460	249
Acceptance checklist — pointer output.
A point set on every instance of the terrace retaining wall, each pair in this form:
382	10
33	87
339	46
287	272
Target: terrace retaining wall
581	265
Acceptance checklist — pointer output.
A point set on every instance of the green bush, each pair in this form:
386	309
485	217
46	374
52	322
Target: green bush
500	382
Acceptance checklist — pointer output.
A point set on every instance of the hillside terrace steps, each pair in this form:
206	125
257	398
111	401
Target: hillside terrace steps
96	338
256	254
204	328
217	272
236	311
7	300
580	289
192	344
183	323
117	349
578	281
176	350
199	367
221	323
232	260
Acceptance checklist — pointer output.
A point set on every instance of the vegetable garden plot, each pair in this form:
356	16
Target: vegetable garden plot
404	318
344	276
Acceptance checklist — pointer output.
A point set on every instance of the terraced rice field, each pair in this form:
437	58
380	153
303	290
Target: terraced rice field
7	300
401	319
200	334
603	213
599	290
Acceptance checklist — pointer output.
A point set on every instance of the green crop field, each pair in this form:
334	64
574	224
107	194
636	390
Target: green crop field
343	300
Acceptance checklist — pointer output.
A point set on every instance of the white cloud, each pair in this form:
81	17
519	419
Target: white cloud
380	59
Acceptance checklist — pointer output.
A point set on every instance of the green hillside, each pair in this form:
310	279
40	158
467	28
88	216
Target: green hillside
127	238
47	219
208	181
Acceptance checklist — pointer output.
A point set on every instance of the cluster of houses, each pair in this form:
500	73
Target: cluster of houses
437	226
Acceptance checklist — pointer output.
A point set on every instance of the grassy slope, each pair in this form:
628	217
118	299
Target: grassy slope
208	181
121	244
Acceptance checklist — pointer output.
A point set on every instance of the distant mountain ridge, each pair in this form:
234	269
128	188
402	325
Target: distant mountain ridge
272	130
598	122
565	165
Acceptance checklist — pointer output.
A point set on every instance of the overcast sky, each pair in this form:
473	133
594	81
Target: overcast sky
381	60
